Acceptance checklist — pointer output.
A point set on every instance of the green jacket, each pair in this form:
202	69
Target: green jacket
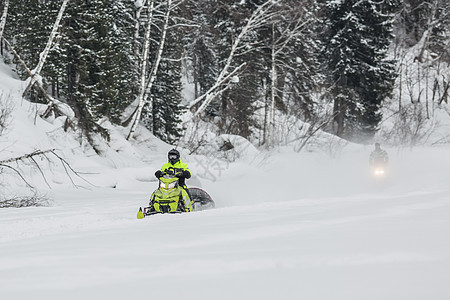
177	167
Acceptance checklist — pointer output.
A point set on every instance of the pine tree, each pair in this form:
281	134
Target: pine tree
358	34
199	42
117	76
28	28
167	108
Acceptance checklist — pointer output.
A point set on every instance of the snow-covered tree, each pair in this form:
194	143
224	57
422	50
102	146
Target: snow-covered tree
200	44
164	118
45	52
33	23
355	50
291	53
98	58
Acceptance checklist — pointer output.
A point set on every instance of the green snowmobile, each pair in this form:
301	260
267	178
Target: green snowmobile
170	197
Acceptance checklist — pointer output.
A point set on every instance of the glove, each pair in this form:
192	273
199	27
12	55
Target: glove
158	174
186	174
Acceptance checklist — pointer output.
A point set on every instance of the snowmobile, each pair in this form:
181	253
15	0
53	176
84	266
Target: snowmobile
170	197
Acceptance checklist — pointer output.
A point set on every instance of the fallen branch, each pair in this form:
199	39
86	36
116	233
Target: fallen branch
23	157
25	201
30	156
18	173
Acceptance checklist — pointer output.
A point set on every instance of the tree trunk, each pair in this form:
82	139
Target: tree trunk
3	21
136	34
274	79
146	88
339	112
266	116
144	59
44	54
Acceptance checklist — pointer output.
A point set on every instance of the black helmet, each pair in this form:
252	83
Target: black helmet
173	156
377	145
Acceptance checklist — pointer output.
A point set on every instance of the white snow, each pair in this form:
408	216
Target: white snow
287	225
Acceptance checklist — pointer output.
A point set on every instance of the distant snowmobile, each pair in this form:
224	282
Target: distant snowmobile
379	171
378	161
170	197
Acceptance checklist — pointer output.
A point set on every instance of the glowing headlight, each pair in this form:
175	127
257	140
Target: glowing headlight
379	172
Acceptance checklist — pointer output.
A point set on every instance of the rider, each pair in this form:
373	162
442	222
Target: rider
175	167
378	156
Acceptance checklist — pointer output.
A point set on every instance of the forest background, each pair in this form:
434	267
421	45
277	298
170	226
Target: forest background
274	72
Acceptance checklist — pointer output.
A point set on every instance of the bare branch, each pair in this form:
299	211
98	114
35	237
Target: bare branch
40	170
259	17
18	173
65	163
26	156
30	156
216	86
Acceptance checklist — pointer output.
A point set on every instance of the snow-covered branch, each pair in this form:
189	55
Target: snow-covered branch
31	156
259	17
212	92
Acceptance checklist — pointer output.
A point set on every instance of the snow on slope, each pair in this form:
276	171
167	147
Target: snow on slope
287	225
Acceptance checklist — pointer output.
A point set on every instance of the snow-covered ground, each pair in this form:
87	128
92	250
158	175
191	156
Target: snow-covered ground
287	225
294	227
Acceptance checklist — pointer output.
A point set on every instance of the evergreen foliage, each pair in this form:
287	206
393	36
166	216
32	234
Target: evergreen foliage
356	44
200	46
167	107
28	28
95	62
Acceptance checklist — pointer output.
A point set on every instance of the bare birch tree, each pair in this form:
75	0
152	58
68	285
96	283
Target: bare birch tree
137	26
147	83
259	17
144	62
44	54
3	20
